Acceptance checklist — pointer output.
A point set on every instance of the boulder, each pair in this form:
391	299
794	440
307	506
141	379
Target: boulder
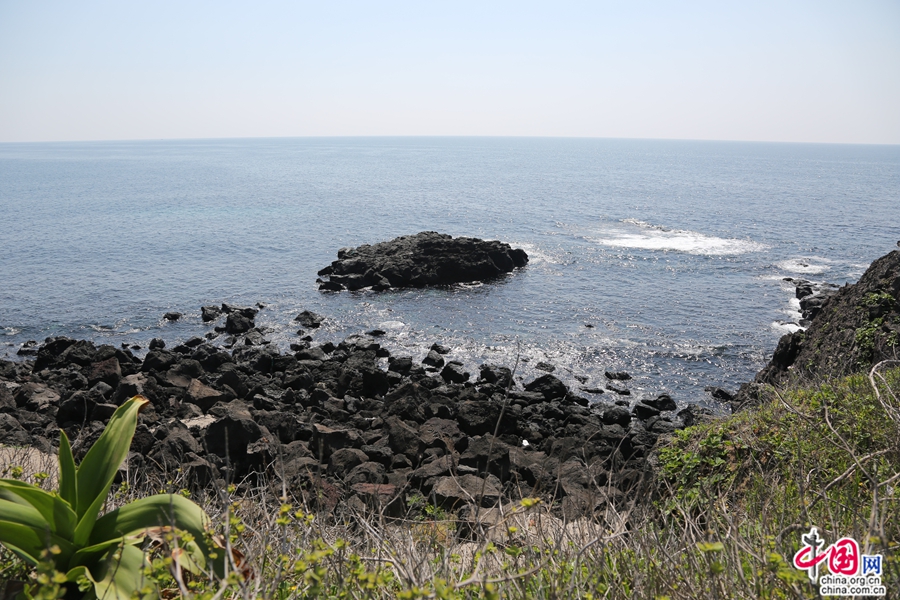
549	386
309	319
209	313
237	323
451	492
617	375
454	372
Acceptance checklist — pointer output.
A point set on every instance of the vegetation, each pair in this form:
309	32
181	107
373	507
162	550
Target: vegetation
729	505
60	535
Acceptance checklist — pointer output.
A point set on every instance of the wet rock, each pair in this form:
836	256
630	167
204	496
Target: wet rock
719	394
245	311
440	348
157	344
617	375
433	359
544	366
401	365
209	313
29	348
172	316
237	323
309	319
618	389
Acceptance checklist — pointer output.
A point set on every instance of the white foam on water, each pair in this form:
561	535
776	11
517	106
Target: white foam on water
805	265
535	255
11	331
784	327
646	236
389	325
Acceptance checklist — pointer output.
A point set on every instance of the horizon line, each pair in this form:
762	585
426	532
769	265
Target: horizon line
443	136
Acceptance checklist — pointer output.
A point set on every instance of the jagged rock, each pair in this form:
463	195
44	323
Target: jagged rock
643	411
618	389
719	394
237	323
451	492
204	396
404	440
367	472
427	258
342	461
209	313
172	316
549	386
310	320
433	359
454	372
661	402
496	375
617	375
618	415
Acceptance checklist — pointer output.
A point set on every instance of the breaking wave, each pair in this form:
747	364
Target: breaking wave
646	236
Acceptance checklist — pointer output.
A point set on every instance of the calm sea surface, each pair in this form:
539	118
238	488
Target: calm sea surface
674	251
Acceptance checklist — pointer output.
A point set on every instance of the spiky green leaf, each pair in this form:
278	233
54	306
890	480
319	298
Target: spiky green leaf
56	511
67	480
98	469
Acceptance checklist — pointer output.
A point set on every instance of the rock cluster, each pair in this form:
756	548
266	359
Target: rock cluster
812	296
336	425
427	258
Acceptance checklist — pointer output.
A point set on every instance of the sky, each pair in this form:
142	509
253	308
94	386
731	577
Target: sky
788	71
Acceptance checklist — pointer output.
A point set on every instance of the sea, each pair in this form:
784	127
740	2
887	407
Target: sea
664	259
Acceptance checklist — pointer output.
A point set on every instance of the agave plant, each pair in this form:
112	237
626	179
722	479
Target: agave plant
100	552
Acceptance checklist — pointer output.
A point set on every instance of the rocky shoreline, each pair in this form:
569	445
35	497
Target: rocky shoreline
346	422
352	423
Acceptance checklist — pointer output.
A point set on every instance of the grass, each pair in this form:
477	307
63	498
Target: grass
730	502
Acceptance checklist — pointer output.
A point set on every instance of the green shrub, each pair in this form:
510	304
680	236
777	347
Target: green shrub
63	537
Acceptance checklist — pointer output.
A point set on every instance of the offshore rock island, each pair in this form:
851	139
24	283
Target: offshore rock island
425	259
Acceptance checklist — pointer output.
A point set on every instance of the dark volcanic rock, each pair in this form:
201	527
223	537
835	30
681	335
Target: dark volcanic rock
549	386
331	421
209	313
427	258
310	320
854	329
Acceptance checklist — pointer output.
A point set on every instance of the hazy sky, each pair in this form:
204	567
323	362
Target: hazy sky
815	71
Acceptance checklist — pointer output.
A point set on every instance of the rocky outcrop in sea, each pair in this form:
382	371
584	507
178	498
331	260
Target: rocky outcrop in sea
424	259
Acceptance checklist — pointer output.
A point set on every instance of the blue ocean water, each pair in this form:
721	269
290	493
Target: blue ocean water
673	250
